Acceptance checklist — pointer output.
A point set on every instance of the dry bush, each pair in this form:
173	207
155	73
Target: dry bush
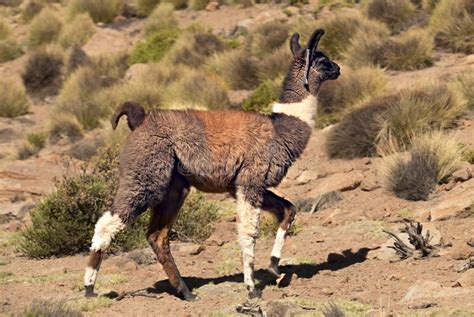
9	49
237	68
262	98
267	37
276	64
464	85
411	50
365	48
49	309
76	58
429	5
177	4
452	22
13	99
155	47
395	13
5	29
145	7
192	49
100	10
43	69
78	31
356	134
10	3
423	108
26	151
82	94
353	87
431	159
162	17
198	90
64	125
44	28
86	148
31	9
198	4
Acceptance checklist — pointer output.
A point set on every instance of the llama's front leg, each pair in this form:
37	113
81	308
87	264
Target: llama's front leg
249	217
285	213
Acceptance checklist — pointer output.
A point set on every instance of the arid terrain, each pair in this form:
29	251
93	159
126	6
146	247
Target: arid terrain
338	255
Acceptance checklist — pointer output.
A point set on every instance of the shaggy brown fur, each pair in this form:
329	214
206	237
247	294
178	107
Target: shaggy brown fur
215	151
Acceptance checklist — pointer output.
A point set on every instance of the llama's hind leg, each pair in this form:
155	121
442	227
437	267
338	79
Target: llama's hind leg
164	215
285	213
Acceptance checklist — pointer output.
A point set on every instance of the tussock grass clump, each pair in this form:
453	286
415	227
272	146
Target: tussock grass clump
365	49
198	4
43	69
44	28
5	30
431	159
197	89
64	125
49	309
9	49
192	49
100	10
178	4
31	9
63	222
76	58
411	50
86	148
145	7
237	68
395	13
452	22
155	47
78	31
267	37
37	140
276	64
161	18
353	87
196	219
263	96
356	134
13	99
464	85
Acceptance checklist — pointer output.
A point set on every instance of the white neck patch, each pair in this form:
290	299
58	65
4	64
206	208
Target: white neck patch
304	110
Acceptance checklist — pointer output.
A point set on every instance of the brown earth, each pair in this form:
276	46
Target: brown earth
338	254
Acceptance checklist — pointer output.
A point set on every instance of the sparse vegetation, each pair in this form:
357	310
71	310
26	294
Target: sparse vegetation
432	158
37	140
161	18
198	4
395	13
464	85
263	96
275	64
100	10
86	148
452	22
145	7
43	69
155	47
193	48
9	49
44	28
78	31
13	99
64	125
5	29
178	4
267	37
49	309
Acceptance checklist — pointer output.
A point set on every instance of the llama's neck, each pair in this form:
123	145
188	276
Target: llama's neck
304	110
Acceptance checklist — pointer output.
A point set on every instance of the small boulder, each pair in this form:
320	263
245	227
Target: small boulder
187	248
463	174
466	280
212	6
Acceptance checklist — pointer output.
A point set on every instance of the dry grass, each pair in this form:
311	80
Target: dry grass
177	4
267	37
30	10
452	22
43	69
9	49
276	64
198	4
49	309
193	48
365	48
395	13
44	28
464	85
64	125
100	10
5	29
76	57
237	68
145	7
161	18
13	99
431	159
78	31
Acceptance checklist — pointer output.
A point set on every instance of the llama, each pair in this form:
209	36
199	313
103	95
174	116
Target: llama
242	153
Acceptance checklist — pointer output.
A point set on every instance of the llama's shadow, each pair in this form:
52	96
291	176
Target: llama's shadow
334	262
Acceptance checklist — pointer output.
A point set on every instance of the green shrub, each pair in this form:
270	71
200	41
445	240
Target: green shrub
267	37
5	30
155	47
464	85
452	22
197	90
395	13
100	10
37	140
353	87
198	4
192	49
63	222
263	97
9	49
64	125
237	68
161	18
196	219
276	64
44	28
78	31
145	7
178	4
13	99
43	69
431	159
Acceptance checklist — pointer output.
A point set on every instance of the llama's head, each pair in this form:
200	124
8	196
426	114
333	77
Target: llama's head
309	67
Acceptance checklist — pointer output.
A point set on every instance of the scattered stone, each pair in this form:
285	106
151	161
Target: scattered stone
463	174
463	253
430	290
187	247
338	182
327	292
320	202
282	308
467	279
212	6
446	209
306	176
422	305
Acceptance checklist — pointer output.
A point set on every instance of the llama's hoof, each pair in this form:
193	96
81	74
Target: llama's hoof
273	267
255	294
90	291
190	297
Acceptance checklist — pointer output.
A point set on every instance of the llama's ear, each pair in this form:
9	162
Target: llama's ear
314	39
295	43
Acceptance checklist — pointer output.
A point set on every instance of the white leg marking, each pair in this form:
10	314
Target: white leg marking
279	242
248	231
105	229
90	276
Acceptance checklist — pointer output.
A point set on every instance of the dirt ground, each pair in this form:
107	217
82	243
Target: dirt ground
338	255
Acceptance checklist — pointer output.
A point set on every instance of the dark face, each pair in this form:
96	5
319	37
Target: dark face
323	68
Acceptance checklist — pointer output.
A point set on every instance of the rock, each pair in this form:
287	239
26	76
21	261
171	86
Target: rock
212	6
305	177
463	174
282	309
320	202
338	182
463	253
467	279
187	248
446	209
369	182
428	291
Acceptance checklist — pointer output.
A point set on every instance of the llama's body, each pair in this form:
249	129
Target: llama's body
238	152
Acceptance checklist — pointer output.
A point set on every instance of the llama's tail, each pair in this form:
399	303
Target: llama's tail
134	112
